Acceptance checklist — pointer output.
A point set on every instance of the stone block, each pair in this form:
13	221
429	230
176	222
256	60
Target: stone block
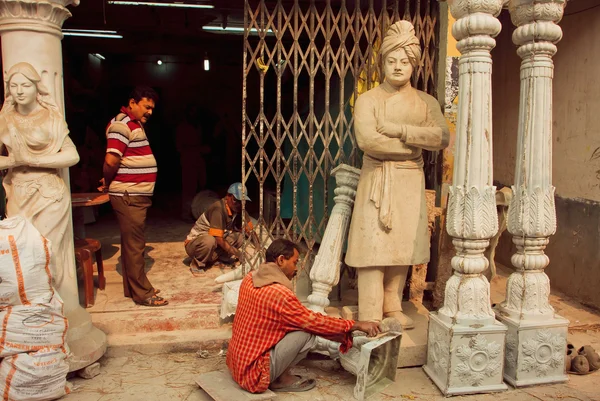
413	348
465	359
535	351
89	372
221	387
350	312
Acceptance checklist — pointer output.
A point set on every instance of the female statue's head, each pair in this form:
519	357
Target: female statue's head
23	84
400	53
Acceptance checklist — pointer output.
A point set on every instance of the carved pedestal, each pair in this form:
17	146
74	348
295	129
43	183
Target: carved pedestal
463	359
31	32
536	342
325	272
465	349
535	351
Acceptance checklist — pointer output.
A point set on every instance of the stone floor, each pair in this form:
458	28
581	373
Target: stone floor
155	353
171	377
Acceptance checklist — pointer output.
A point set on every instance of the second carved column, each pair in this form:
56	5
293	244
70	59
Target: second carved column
536	339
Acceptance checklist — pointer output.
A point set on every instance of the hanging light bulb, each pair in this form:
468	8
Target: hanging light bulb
206	63
159	62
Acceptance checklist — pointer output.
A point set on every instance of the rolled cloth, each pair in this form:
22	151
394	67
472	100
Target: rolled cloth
402	35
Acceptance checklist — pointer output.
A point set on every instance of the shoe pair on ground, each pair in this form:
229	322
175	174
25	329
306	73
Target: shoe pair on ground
154	300
583	361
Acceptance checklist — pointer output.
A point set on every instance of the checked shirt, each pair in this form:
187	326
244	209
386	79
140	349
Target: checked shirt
263	317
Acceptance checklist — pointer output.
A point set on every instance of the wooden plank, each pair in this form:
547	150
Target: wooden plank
221	387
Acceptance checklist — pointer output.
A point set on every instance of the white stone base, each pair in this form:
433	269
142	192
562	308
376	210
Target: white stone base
86	342
535	351
465	359
413	348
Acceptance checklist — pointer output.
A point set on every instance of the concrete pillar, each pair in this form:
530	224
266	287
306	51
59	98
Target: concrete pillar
537	338
465	342
325	271
31	32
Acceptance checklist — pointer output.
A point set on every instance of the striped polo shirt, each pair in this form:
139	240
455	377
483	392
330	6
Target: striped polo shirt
137	172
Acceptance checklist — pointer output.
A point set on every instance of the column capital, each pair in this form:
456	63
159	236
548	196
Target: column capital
526	11
38	16
476	24
463	8
537	30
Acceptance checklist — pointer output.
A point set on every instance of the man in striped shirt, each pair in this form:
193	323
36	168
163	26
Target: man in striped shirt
129	177
272	330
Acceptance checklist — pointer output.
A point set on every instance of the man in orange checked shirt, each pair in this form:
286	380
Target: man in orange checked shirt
272	330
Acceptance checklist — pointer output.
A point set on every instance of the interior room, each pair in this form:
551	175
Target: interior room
191	54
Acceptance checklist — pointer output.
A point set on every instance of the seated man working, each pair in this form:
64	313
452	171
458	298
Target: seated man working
218	231
272	330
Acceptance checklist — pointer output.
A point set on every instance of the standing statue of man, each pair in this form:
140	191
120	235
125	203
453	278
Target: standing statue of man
393	123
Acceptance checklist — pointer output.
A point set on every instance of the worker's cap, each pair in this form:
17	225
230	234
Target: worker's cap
236	190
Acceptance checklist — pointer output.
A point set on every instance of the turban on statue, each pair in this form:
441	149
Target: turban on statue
402	35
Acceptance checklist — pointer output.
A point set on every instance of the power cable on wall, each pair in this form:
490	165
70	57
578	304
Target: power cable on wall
580	11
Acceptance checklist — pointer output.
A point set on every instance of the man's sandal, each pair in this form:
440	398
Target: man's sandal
299	385
156	291
153	301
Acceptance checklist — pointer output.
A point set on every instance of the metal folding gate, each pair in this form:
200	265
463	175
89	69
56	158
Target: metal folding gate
304	64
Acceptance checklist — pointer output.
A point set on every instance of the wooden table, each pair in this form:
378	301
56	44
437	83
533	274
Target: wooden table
88	199
80	200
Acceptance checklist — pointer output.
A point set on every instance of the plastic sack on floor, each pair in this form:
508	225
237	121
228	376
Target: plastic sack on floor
231	293
36	376
29	328
24	264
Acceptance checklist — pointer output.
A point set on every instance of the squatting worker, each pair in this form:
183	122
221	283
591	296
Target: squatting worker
272	330
217	234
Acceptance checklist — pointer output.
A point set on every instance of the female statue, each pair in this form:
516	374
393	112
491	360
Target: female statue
35	134
393	122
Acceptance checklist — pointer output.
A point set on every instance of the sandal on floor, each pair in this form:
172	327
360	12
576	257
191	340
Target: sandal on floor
154	301
299	385
197	272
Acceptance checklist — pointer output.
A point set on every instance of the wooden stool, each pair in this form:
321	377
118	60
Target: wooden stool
83	255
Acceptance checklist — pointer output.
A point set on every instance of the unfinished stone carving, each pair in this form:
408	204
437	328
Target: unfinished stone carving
393	123
325	271
373	361
536	350
466	342
31	33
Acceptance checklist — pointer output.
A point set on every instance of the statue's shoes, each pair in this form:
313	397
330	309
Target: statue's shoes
405	321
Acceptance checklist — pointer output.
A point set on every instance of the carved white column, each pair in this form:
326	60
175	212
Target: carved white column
31	32
536	339
466	343
325	271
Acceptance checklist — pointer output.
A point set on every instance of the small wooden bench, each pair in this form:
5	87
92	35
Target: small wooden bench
84	249
221	387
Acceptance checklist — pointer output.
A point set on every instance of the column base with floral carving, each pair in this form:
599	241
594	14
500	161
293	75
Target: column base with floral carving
465	359
535	350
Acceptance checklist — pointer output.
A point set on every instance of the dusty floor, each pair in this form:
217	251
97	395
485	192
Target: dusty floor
133	370
171	377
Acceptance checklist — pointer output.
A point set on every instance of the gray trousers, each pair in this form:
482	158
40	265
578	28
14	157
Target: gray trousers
290	350
204	249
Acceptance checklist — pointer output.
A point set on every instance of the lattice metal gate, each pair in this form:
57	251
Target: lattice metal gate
304	64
